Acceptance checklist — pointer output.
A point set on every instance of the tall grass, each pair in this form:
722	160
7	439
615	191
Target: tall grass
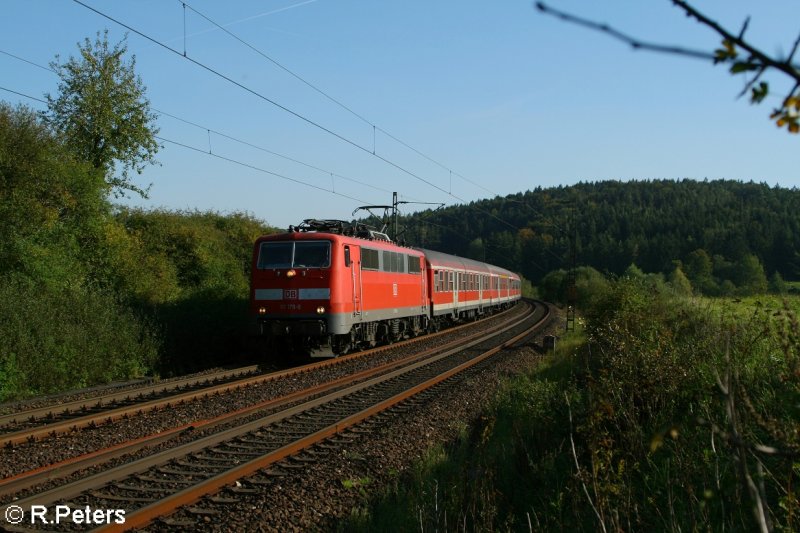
668	417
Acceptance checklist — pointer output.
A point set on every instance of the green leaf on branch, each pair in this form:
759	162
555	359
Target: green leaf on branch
743	66
759	93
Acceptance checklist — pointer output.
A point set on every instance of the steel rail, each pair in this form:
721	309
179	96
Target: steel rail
84	404
145	515
13	484
72	490
111	415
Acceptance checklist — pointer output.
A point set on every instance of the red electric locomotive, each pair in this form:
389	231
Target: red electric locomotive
328	287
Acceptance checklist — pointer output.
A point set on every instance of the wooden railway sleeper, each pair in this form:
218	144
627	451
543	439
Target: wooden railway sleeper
259	441
115	498
191	473
284	429
361	429
182	524
151	479
222	500
234	452
302	458
305	427
329	446
199	511
290	466
242	490
255	482
256	447
221	460
145	490
327	418
291	434
275	472
204	466
317	451
341	440
337	414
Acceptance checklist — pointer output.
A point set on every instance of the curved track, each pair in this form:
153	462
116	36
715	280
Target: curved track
155	485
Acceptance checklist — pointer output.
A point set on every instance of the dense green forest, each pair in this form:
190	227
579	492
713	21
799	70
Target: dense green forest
714	230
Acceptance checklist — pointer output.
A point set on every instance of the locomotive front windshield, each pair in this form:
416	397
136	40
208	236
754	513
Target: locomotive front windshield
294	254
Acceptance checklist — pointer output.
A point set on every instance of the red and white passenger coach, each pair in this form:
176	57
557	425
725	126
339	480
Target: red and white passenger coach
328	287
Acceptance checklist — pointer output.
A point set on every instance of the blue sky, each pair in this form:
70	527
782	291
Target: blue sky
493	92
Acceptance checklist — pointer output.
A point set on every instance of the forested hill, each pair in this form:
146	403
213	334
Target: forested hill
651	224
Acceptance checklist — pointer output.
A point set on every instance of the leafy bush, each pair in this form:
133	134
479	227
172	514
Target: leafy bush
53	339
672	416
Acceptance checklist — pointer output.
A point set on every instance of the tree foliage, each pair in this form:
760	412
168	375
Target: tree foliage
90	292
46	197
102	113
709	226
738	53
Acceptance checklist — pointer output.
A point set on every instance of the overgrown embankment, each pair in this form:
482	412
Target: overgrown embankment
666	415
91	293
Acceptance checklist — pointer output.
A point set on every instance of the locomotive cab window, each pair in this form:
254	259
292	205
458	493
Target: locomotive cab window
275	255
312	254
302	254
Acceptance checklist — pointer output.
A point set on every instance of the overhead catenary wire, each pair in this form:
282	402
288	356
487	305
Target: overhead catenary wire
271	152
24	95
222	157
255	93
278	64
375	127
492	215
246	143
259	169
281	176
287	110
214	131
231	160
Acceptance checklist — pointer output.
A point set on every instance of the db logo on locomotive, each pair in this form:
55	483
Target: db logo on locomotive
290	294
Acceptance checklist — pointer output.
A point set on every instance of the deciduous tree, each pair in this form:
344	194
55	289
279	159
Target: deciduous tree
102	113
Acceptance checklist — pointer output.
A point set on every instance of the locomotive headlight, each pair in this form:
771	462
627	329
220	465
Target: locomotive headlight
320	310
262	310
290	273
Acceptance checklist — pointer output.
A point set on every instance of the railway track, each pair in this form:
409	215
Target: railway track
14	483
22	425
51	420
155	485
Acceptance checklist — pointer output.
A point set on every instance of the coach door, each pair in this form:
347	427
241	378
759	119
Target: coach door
423	285
352	260
479	281
457	286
